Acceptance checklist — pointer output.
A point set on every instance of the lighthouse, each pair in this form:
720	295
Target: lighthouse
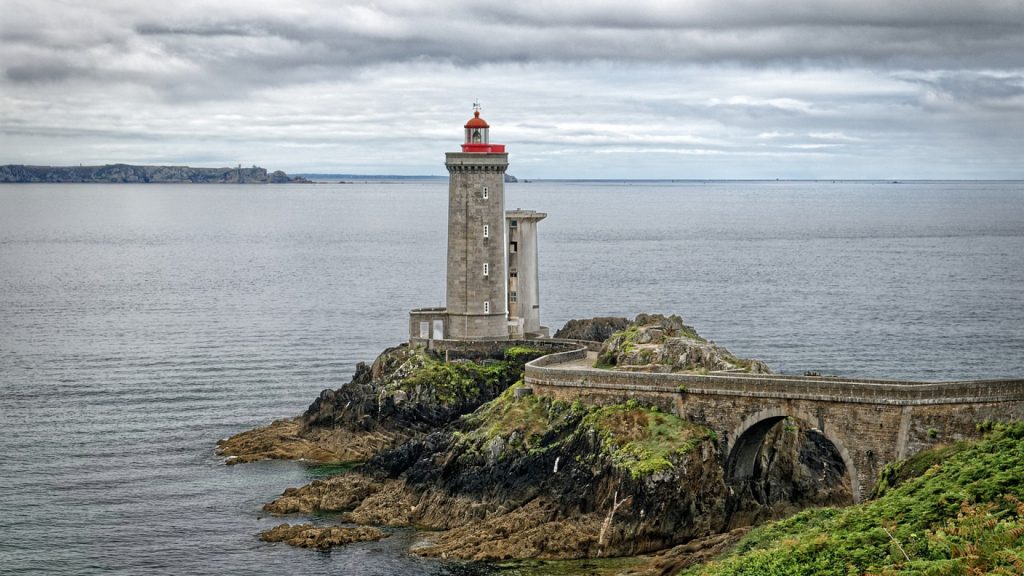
486	297
476	294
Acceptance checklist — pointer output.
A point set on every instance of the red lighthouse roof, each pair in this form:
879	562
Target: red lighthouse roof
478	137
476	121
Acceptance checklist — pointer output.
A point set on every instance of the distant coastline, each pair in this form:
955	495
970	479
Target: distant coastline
132	174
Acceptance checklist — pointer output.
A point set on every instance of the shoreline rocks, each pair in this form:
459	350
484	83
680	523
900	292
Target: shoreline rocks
320	537
281	440
502	475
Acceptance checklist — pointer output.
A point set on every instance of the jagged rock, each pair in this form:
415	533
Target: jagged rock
526	476
336	494
320	537
592	329
657	343
406	392
280	440
494	489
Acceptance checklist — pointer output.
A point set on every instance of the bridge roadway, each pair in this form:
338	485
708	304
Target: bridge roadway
870	422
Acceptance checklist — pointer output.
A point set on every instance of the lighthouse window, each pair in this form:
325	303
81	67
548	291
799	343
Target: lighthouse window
487	269
485	193
487	307
487	231
513	247
512	297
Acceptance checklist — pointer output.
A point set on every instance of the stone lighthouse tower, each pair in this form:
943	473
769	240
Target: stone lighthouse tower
476	295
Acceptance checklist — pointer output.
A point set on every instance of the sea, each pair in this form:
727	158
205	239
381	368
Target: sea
139	324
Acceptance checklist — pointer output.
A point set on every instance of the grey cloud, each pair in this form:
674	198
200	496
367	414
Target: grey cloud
977	87
914	35
911	79
32	73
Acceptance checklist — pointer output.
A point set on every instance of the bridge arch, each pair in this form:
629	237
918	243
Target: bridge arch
746	439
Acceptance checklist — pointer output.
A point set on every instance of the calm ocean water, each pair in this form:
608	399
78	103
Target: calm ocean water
139	324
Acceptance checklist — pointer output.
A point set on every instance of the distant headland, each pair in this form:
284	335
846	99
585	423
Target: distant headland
130	174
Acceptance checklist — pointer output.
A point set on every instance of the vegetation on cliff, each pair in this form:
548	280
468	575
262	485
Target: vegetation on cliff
634	438
951	510
528	477
466	449
405	392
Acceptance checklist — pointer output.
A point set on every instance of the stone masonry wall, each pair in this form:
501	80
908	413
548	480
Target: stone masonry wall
871	422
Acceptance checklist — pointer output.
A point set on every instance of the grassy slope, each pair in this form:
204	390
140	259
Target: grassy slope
638	438
960	513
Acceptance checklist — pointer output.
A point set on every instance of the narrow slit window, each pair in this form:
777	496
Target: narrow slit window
487	307
487	269
487	231
485	195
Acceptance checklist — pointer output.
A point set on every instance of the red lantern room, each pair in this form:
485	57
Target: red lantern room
478	135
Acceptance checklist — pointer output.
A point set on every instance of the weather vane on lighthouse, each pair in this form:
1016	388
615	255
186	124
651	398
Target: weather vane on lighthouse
476	106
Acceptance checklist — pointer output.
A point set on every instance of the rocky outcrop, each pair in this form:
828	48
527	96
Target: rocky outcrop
281	440
127	173
405	392
320	537
500	473
657	343
410	390
528	477
593	329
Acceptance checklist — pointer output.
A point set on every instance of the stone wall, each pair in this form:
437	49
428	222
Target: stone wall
495	349
871	422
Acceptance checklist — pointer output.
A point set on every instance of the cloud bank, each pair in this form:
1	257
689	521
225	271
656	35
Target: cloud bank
642	89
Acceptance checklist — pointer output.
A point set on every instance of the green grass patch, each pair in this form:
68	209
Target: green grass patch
641	439
451	382
957	511
506	414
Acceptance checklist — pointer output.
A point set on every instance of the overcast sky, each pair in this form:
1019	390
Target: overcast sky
594	89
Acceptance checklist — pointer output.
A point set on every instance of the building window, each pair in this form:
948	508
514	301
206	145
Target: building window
512	297
487	269
487	231
485	193
513	247
513	223
513	273
487	307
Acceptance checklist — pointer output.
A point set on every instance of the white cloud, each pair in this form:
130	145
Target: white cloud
649	89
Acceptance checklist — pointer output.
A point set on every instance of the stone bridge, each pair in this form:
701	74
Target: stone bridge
870	422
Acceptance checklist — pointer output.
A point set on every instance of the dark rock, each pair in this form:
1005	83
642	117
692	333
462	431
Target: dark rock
592	329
